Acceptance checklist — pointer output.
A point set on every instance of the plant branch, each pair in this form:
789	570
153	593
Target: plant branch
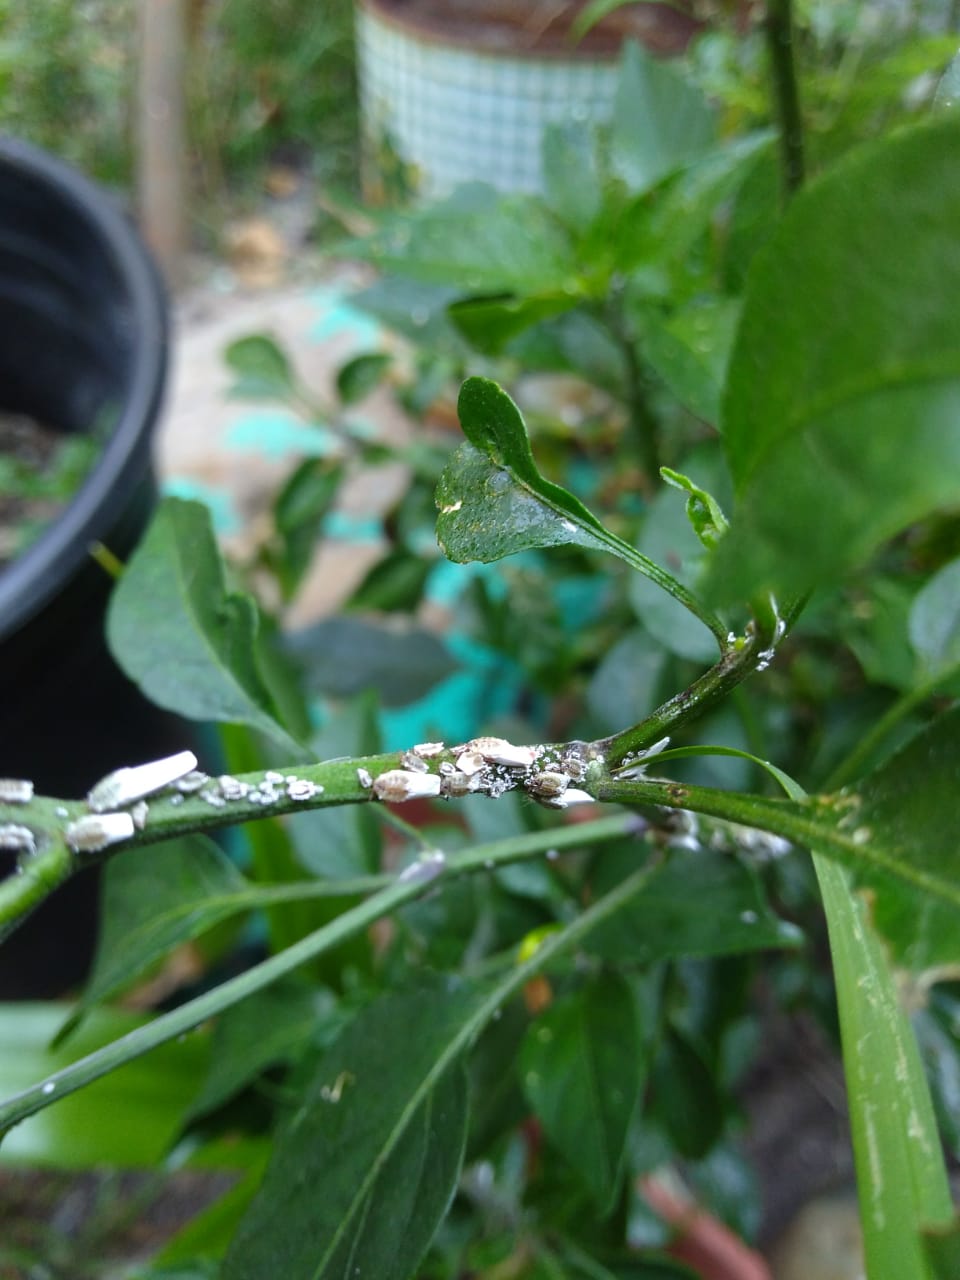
403	890
780	42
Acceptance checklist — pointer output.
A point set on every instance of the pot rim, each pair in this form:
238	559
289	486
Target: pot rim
28	582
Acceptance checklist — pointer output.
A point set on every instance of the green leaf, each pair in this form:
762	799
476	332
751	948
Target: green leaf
477	240
905	811
668	538
842	412
361	375
942	1252
365	1171
934	623
264	372
490	323
129	1118
342	657
154	899
703	511
298	513
582	1068
685	1096
571	175
272	1026
661	121
696	904
900	1173
396	582
176	631
493	501
689	351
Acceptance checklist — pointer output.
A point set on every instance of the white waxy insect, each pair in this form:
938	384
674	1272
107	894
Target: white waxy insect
15	790
634	766
427	867
365	778
303	789
470	762
499	751
191	781
232	788
16	839
416	764
426	750
124	786
398	785
139	814
456	783
97	830
548	785
571	796
272	776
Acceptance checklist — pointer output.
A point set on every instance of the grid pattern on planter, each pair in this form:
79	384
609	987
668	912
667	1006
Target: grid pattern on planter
457	116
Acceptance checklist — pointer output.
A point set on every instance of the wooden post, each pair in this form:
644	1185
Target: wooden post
161	143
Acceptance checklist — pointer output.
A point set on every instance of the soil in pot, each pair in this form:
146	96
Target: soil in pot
40	470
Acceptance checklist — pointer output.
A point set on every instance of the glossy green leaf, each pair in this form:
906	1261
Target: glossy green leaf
901	1178
582	1068
934	623
361	375
493	501
298	513
175	629
366	1169
490	323
841	419
271	1027
154	899
689	351
696	904
263	370
667	537
477	240
661	121
906	810
128	1118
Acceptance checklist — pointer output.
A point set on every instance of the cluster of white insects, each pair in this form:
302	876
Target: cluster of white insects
118	804
487	766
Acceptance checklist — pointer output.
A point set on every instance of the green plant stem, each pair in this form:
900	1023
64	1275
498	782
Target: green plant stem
190	1015
780	40
852	765
734	666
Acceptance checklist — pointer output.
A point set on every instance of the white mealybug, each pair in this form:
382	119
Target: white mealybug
303	789
365	778
16	839
470	762
572	795
427	749
547	785
499	751
456	783
15	790
124	786
191	781
97	830
399	785
416	764
426	867
232	788
139	814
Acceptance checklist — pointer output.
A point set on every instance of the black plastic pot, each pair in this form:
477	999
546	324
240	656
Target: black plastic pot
83	342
